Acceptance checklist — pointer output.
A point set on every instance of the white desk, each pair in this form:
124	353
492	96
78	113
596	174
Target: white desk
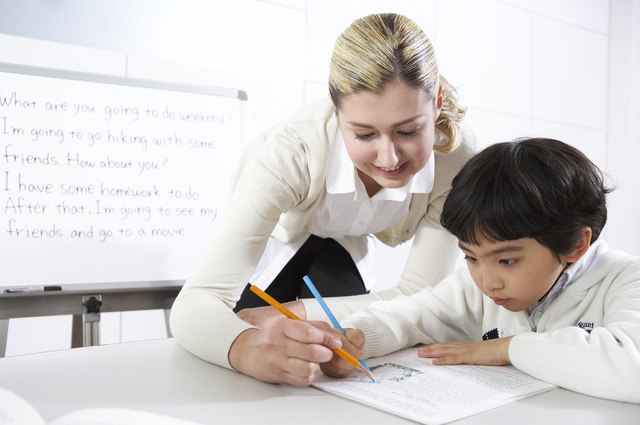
159	376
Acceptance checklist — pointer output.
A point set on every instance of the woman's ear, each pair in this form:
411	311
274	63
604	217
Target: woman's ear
439	101
581	248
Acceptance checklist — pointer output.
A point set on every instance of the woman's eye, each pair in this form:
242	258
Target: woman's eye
408	133
364	136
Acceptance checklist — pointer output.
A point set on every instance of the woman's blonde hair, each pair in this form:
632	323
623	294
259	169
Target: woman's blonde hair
380	48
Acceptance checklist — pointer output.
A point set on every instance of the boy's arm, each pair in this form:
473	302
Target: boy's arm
604	363
494	352
423	318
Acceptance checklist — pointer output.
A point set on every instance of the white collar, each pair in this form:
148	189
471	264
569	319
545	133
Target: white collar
577	269
570	275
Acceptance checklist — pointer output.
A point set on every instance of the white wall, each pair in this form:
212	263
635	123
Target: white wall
556	68
623	125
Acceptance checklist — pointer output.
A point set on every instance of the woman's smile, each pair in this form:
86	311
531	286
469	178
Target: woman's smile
393	172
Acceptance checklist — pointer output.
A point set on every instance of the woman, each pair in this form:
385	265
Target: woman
311	194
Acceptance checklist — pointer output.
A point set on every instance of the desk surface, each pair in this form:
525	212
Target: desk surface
159	376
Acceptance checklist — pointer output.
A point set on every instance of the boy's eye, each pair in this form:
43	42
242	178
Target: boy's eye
508	261
469	259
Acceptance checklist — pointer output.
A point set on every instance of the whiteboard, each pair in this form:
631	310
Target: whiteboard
108	179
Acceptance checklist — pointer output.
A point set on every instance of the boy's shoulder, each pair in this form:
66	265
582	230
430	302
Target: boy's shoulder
616	257
615	266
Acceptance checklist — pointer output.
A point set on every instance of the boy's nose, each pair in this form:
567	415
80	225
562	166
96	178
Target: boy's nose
491	281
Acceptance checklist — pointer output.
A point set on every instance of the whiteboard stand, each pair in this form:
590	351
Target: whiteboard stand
4	330
91	319
76	300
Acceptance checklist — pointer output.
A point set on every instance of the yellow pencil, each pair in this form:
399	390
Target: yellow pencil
284	310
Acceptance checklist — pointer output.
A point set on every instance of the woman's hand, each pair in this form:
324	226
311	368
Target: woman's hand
287	351
494	352
352	343
263	317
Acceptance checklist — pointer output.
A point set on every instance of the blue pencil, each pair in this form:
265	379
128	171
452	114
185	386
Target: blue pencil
325	307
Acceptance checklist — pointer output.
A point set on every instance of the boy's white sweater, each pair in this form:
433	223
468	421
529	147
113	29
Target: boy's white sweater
588	340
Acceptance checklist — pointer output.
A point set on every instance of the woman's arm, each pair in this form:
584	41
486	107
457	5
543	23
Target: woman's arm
202	318
278	180
288	351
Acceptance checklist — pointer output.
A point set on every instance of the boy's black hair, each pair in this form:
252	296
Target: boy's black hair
528	188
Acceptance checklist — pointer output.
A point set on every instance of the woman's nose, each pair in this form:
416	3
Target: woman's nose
387	154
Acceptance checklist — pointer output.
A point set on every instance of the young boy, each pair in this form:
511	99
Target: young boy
540	291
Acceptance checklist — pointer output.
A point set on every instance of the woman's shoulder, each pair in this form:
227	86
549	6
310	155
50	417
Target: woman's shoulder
314	123
450	163
317	110
468	143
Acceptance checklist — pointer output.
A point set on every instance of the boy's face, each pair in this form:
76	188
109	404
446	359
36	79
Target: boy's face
514	274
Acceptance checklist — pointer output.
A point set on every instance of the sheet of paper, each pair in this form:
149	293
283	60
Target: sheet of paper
116	416
14	410
414	388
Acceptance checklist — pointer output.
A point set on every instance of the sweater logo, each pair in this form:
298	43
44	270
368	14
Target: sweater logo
587	326
492	334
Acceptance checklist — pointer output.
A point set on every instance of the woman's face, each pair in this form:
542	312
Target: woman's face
389	135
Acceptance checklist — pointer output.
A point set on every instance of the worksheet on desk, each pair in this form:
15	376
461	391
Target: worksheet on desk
413	388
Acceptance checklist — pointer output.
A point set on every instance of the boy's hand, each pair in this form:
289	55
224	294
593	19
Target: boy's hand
352	343
494	352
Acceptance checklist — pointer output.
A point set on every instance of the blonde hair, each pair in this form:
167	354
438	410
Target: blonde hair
380	48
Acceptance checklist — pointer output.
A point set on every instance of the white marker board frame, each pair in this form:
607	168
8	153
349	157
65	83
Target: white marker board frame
111	179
